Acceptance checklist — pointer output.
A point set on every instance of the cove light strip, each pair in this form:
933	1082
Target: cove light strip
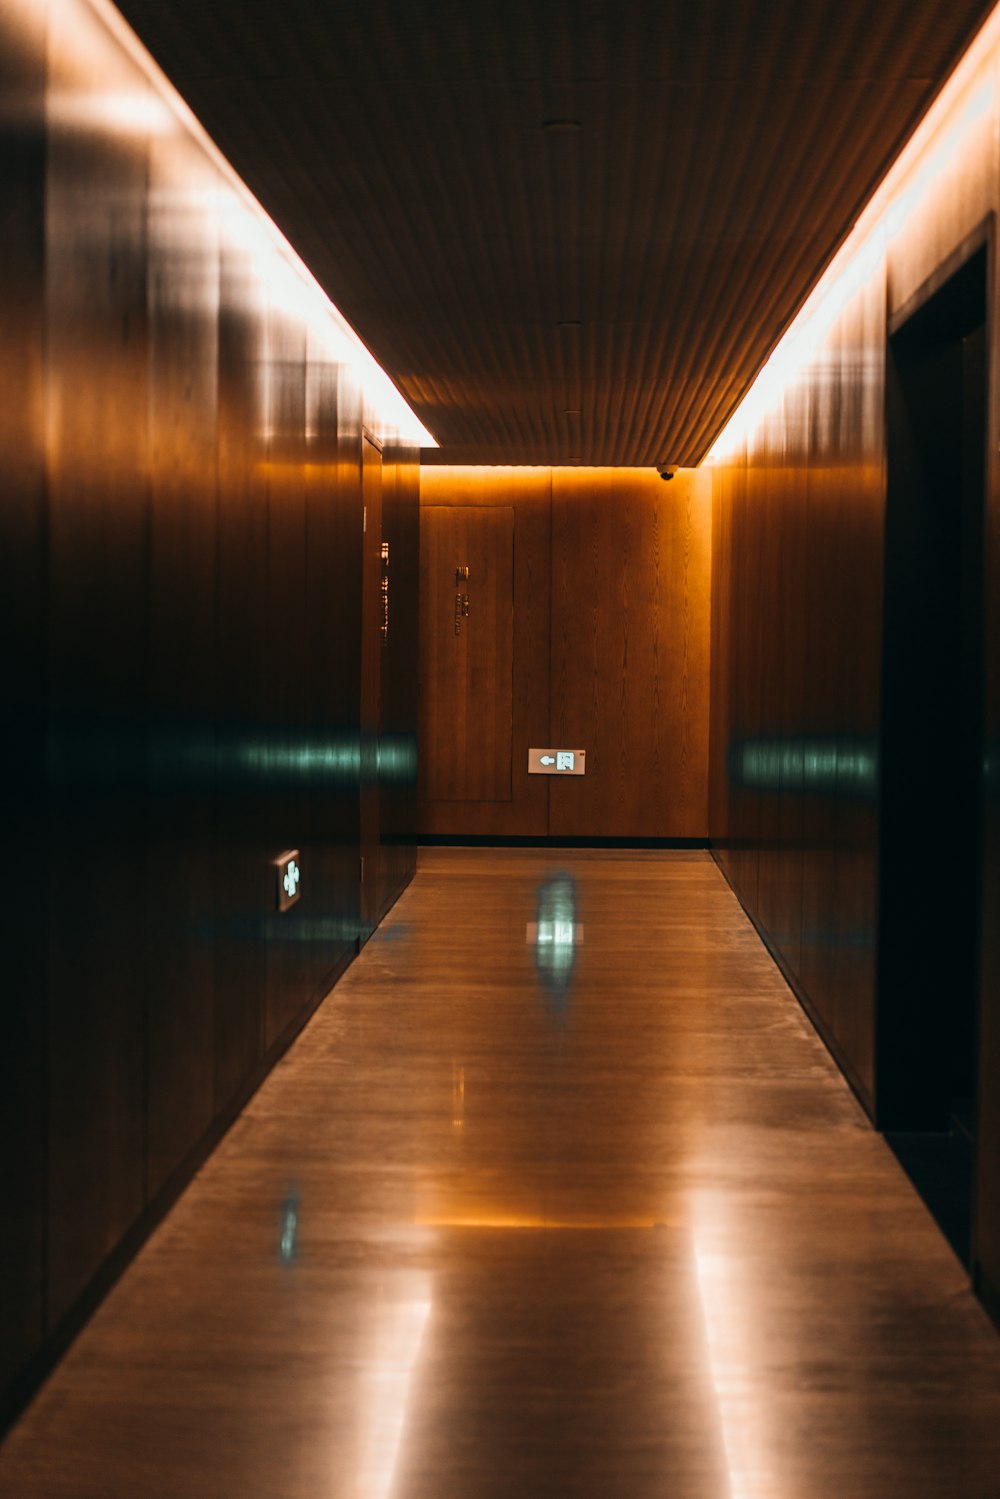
934	150
296	286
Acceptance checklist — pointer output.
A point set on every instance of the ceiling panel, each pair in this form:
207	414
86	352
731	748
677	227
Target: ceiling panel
571	233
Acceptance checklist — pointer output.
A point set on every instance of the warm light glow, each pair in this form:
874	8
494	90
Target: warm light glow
287	281
936	147
735	1313
738	1414
127	112
399	1332
481	1219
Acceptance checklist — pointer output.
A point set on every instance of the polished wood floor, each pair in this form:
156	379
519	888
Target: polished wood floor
557	1195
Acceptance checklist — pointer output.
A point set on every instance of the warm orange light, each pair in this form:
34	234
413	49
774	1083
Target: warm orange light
474	1219
289	283
933	151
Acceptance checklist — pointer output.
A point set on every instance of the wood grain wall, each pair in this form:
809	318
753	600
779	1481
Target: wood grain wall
181	559
611	651
797	771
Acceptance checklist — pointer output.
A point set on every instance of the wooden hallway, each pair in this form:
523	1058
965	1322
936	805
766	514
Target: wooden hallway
558	1194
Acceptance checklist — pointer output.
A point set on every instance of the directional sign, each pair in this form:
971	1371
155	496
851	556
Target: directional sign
557	762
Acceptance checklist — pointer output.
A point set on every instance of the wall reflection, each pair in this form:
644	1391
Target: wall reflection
555	935
823	766
170	757
288	1238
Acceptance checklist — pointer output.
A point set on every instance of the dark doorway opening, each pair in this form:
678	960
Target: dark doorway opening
932	742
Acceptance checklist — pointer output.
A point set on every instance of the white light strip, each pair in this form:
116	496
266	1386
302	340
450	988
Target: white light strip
300	290
933	149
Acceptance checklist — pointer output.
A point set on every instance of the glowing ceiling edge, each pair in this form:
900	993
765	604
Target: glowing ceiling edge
964	95
387	401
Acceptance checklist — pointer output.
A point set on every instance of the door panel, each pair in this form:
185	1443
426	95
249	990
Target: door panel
630	624
467	651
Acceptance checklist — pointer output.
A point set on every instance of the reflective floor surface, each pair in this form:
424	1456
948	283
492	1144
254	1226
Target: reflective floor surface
557	1195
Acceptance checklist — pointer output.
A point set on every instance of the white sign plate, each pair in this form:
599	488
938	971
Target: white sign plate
557	762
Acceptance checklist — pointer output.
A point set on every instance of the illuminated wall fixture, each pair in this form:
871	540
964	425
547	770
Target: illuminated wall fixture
290	285
288	874
934	149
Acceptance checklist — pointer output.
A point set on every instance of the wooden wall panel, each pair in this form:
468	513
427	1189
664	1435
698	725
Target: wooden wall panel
23	793
611	644
629	662
745	719
183	310
467	647
98	473
858	548
527	491
241	885
779	876
180	440
283	451
721	665
987	1202
797	680
400	672
327	917
802	548
371	665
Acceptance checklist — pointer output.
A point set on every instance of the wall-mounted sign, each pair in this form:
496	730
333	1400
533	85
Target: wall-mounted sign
288	879
557	762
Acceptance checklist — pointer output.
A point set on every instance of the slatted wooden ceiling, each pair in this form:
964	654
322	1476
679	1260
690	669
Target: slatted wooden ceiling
570	231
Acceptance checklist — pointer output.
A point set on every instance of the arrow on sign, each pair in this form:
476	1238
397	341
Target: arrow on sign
547	759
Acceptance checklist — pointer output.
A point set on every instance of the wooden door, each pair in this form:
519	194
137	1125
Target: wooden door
629	660
467	652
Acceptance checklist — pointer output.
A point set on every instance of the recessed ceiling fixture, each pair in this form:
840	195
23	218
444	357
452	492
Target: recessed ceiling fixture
561	127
